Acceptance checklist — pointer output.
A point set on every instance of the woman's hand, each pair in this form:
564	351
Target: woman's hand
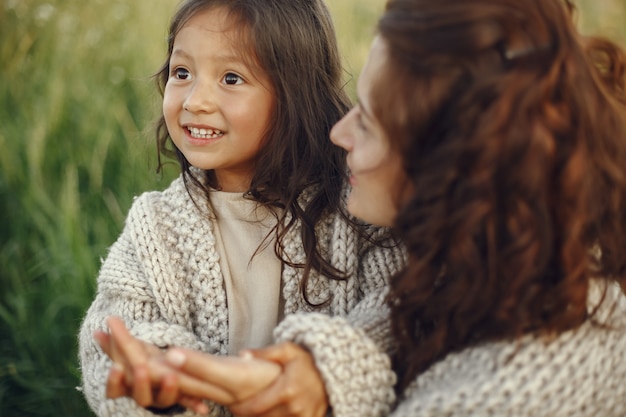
280	380
299	391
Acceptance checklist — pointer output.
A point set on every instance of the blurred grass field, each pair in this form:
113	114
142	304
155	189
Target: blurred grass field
76	109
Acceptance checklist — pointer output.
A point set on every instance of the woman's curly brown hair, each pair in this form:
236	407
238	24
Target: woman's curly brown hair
513	127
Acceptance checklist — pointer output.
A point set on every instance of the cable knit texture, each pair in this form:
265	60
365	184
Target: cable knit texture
162	276
355	370
579	373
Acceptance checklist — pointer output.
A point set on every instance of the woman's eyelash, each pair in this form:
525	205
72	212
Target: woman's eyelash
359	121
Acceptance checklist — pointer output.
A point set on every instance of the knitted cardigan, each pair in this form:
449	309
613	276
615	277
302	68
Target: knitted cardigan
162	276
578	373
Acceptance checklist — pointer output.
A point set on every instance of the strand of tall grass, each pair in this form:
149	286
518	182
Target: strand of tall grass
76	106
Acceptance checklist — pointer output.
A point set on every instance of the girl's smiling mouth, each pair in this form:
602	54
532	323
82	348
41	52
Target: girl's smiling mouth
204	133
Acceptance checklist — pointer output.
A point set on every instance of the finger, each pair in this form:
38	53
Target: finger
280	353
278	411
132	349
279	402
134	355
271	401
115	387
298	391
268	402
103	341
195	377
195	404
168	392
238	377
192	387
107	345
205	367
118	357
141	386
223	370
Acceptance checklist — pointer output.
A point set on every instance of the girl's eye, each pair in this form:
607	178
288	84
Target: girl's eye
181	73
232	79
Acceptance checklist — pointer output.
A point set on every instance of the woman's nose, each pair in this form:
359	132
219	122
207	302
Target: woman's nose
342	133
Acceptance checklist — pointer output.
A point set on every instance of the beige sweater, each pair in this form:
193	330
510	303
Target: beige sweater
163	277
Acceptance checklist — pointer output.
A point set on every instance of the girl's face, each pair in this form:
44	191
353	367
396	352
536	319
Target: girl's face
216	106
379	182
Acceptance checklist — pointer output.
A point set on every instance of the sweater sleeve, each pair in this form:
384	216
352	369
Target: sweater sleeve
351	352
356	372
127	288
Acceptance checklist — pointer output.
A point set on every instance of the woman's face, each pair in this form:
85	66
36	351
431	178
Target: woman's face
379	182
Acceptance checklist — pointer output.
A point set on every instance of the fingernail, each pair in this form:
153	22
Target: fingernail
117	366
245	354
203	409
175	357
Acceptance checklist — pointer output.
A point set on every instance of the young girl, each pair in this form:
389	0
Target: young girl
253	229
492	136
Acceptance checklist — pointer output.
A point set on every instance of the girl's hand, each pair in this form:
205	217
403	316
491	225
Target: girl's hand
298	391
139	371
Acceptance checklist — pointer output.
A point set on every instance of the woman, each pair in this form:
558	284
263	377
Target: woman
510	128
492	137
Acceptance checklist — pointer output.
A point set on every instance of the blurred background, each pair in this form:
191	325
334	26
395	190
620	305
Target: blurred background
77	104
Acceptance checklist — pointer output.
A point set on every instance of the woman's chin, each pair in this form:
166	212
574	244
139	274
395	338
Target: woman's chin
369	212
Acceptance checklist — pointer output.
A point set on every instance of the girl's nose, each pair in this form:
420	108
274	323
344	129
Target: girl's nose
200	99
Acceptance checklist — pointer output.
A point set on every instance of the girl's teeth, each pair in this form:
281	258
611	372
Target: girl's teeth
204	133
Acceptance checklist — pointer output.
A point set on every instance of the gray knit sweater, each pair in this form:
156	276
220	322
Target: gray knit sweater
579	373
162	276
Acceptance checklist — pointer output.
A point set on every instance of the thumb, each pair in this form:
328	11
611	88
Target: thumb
280	353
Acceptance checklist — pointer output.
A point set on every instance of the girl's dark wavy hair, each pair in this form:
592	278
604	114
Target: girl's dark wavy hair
513	131
294	42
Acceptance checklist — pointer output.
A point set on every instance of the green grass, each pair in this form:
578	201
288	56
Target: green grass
75	99
76	106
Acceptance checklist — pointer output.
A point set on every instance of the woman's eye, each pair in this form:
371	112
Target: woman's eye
181	73
360	123
232	79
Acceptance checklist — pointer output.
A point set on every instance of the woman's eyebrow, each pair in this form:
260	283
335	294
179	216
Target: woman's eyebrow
366	113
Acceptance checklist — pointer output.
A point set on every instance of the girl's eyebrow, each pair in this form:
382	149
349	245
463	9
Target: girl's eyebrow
180	52
225	58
